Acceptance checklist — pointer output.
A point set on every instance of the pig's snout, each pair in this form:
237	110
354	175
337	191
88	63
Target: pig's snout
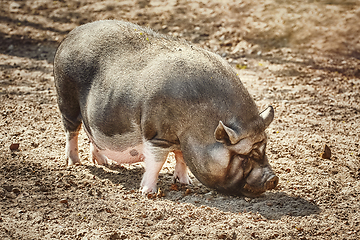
260	180
272	182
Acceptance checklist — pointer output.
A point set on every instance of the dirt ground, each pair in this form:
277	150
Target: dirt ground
302	57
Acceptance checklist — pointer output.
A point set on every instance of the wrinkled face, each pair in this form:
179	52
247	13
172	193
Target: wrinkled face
242	168
236	162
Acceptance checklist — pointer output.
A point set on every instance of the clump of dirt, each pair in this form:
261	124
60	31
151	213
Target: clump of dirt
302	57
326	153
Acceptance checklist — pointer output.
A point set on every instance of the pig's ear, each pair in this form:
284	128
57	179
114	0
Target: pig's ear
225	134
267	115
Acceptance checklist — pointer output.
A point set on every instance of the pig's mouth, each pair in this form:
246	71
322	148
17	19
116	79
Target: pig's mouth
251	180
248	190
251	191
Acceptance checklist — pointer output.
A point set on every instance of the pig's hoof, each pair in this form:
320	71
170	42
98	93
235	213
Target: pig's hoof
100	160
97	157
183	179
71	162
146	190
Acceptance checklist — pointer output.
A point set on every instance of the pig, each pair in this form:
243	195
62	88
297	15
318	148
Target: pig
141	95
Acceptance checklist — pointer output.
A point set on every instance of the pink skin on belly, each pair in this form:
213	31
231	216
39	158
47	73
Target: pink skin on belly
153	158
130	155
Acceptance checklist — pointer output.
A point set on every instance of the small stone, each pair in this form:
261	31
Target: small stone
160	193
14	146
64	201
43	189
326	154
16	190
115	235
222	236
188	192
299	229
151	195
316	79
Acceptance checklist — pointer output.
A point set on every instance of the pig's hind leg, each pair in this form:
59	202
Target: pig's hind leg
71	118
181	170
71	148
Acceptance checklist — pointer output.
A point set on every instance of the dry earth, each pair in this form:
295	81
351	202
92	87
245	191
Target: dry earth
302	57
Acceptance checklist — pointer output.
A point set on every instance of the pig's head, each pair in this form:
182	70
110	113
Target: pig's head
235	163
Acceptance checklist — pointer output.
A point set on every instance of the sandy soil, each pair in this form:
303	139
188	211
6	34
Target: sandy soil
302	57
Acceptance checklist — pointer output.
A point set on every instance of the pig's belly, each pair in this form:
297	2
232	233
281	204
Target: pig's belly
114	149
130	155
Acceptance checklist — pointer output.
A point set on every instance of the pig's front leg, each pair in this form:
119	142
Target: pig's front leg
181	170
154	160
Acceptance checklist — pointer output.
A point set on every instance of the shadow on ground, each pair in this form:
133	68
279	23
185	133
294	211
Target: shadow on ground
271	205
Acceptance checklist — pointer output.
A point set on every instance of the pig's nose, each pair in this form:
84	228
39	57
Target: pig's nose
271	182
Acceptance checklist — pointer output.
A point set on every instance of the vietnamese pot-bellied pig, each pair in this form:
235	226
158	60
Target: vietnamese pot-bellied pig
141	95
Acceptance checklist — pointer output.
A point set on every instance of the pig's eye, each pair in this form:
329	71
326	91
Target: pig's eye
256	154
244	159
258	151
